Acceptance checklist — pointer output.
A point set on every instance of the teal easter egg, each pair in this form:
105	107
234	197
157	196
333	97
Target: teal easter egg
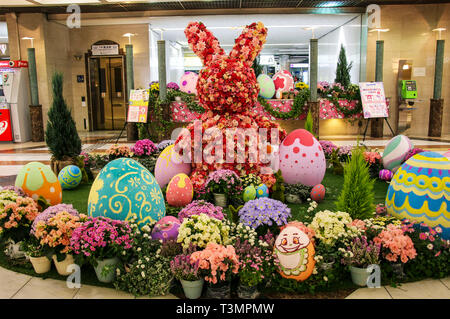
420	191
249	193
266	86
125	189
70	177
395	152
262	191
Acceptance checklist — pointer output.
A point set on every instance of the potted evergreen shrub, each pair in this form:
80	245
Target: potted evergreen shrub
61	134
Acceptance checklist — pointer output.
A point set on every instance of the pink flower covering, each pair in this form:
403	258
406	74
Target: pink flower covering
396	245
198	207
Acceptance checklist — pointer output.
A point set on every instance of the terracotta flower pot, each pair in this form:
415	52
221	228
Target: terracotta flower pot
41	265
61	266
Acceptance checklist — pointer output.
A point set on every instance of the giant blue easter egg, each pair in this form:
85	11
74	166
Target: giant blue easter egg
266	86
420	191
125	189
262	191
70	177
395	152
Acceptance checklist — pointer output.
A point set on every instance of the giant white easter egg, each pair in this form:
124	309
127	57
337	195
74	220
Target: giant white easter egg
395	152
302	159
283	81
125	189
169	164
266	86
188	82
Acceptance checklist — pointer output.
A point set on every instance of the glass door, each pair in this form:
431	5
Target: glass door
106	81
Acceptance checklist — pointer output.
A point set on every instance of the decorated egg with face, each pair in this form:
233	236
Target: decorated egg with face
249	193
169	164
295	252
266	86
179	191
37	179
395	152
70	177
302	159
166	229
262	191
188	82
318	193
283	81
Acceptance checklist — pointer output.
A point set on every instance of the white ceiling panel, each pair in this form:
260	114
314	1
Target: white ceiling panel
15	3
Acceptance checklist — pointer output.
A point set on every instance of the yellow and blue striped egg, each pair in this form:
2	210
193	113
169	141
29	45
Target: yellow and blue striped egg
124	189
70	177
420	191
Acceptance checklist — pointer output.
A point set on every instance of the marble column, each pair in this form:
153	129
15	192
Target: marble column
376	124
437	103
132	133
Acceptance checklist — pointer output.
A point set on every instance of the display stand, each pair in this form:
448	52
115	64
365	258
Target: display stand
137	109
367	126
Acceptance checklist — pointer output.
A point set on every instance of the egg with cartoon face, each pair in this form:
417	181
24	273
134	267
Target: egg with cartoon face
295	253
302	159
179	191
188	82
36	180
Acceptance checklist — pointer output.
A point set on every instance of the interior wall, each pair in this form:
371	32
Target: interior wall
349	35
410	37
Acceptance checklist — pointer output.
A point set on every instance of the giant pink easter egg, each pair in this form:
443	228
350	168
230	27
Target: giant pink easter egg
166	228
179	191
283	81
188	82
302	159
169	164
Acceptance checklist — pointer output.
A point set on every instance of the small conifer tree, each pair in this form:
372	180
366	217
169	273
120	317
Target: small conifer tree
309	123
357	195
343	69
61	134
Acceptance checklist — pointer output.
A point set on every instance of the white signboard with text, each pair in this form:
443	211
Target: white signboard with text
105	49
373	99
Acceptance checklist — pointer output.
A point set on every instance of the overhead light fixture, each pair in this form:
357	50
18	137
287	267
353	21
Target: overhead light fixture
29	38
330	4
440	31
405	67
129	35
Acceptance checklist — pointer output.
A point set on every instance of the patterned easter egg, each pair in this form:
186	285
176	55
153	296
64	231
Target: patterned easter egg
266	86
249	193
295	252
420	191
166	229
283	81
70	177
125	189
179	191
37	179
302	159
169	164
318	193
385	175
447	154
188	82
395	152
262	191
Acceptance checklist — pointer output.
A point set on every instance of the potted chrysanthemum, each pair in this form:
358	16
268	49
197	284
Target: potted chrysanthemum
101	240
223	183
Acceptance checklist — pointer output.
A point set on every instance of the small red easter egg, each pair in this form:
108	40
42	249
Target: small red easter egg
318	193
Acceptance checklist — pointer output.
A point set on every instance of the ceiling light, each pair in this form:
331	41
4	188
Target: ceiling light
439	30
29	38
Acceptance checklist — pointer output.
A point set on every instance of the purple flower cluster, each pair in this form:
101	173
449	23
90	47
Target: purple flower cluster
143	148
101	237
413	152
345	152
19	191
51	212
173	86
182	268
198	207
328	147
163	144
264	211
224	181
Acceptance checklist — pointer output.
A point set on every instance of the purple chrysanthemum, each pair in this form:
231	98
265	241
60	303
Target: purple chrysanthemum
264	211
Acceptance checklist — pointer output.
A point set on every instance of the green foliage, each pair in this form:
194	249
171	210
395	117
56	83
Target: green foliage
343	69
301	190
257	67
309	123
61	134
278	188
357	195
233	215
298	107
336	164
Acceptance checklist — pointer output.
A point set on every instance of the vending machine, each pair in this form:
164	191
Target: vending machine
14	101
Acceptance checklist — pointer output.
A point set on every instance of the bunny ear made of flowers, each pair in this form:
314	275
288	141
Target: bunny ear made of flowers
204	44
249	44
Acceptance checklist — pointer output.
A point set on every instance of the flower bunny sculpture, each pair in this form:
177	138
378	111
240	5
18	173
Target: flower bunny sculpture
228	90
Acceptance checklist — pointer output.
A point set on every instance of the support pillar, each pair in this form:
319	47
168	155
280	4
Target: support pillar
437	103
376	128
131	127
37	121
313	103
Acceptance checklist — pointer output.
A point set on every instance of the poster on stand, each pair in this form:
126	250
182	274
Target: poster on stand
138	108
373	99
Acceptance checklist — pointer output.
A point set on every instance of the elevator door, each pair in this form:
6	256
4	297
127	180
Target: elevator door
107	91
